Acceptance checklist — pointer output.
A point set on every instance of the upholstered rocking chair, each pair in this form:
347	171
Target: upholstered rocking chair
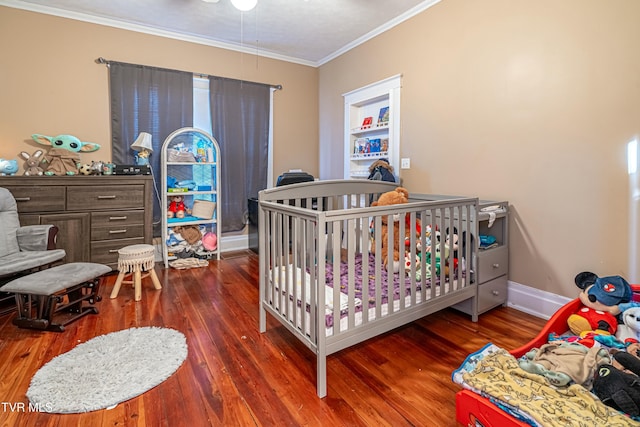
23	250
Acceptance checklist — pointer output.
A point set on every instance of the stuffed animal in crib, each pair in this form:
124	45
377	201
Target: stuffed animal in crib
600	297
63	157
395	197
177	208
32	163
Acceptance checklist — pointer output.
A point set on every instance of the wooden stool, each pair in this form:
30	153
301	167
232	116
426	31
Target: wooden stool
136	260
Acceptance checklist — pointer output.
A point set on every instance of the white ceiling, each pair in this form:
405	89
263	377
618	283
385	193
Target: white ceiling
309	32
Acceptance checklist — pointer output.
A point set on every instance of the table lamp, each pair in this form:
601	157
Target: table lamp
142	145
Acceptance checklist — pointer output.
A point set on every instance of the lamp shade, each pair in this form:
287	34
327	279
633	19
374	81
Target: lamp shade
142	142
244	5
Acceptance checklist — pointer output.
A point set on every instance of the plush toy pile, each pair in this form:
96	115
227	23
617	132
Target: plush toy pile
601	350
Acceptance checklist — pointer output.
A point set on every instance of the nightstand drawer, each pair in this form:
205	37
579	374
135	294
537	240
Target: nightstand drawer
493	263
105	197
116	218
492	294
39	199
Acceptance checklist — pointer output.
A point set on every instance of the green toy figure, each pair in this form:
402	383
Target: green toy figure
63	157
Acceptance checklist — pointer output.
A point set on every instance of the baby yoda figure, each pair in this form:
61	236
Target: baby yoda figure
63	157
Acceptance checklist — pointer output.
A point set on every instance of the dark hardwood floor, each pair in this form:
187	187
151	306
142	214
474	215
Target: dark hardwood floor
235	376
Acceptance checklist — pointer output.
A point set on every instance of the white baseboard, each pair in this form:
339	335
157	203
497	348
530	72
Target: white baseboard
534	301
234	243
228	244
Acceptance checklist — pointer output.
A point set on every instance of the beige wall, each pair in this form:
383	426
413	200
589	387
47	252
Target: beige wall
531	101
528	101
50	84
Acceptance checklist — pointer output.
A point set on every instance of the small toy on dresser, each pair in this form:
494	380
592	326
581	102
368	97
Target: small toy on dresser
63	157
32	163
8	167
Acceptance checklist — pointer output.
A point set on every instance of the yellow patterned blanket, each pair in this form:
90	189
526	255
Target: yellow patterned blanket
494	373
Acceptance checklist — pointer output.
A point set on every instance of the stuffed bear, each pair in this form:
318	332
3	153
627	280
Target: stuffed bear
398	196
600	297
177	208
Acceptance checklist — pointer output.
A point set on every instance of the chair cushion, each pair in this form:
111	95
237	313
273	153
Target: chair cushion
54	279
9	223
21	261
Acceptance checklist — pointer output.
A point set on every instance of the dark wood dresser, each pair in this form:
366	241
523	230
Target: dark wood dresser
96	215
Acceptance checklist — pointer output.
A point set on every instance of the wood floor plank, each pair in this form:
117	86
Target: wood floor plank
236	376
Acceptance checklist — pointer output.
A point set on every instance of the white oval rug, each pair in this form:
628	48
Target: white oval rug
107	370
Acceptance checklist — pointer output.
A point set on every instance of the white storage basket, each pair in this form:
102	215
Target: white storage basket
203	209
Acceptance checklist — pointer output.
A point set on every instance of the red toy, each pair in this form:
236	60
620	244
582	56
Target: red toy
600	297
177	208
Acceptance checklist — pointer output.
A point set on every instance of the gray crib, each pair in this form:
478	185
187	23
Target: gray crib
321	263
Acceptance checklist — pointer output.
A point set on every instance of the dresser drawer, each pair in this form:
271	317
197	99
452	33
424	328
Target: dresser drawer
39	199
117	232
105	197
492	294
115	218
106	251
493	263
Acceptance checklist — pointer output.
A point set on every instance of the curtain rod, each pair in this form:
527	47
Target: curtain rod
106	62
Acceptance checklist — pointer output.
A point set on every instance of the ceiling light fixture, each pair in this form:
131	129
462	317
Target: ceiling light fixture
244	5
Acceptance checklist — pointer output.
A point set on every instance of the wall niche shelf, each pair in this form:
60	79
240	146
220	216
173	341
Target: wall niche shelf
372	127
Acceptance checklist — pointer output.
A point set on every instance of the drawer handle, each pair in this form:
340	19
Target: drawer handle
117	231
22	199
496	265
117	218
106	197
495	293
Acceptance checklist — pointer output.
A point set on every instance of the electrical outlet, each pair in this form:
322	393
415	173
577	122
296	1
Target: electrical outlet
405	163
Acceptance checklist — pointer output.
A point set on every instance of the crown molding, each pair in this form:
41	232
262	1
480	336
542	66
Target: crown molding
251	50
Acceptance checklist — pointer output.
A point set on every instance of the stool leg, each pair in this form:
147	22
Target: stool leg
116	287
154	279
137	284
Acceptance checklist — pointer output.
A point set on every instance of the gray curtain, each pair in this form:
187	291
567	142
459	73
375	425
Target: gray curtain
147	99
240	124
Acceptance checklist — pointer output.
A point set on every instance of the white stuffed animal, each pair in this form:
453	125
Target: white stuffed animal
630	328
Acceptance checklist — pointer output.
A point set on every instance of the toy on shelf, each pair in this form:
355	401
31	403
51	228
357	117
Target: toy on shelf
32	163
63	157
177	208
